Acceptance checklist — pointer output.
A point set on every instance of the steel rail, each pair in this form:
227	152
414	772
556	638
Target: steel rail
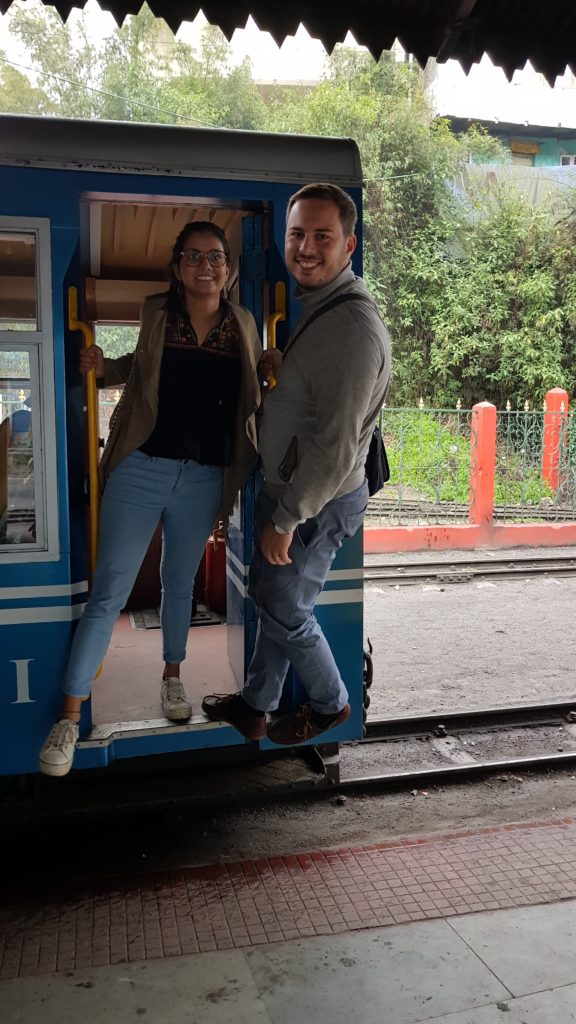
462	571
430	776
518	716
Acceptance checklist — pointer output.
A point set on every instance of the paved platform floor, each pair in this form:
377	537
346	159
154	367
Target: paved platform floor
476	927
504	967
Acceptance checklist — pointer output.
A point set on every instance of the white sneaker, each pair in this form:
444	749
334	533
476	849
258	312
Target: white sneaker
57	754
175	703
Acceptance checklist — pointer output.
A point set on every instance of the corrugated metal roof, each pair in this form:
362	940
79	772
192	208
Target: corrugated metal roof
509	31
513	129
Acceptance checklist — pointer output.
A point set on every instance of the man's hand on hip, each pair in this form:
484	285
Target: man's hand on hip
275	545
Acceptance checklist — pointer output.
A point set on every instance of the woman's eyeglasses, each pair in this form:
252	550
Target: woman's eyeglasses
193	257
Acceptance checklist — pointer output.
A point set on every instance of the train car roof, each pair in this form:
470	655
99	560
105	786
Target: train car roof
115	146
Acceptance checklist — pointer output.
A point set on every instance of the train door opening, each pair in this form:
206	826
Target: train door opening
126	246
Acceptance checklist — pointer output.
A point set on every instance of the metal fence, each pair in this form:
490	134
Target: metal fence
429	455
523	491
432	454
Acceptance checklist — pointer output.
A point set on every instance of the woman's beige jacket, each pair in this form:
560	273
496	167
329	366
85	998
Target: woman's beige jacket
134	418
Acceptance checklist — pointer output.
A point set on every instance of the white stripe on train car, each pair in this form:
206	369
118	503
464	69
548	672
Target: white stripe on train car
58	613
341	597
333	576
236	562
352	596
56	590
234	579
345	574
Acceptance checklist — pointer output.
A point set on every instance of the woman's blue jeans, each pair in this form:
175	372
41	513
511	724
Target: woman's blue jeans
141	492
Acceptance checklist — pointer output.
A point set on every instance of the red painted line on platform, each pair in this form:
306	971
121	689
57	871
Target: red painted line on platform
107	921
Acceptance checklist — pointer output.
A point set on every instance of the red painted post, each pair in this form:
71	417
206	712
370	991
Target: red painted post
554	435
482	463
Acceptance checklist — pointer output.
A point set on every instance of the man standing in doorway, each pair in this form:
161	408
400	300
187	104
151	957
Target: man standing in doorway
315	432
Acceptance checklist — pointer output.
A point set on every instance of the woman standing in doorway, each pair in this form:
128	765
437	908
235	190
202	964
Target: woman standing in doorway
182	441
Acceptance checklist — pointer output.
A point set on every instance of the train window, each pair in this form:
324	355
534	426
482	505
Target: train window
17	492
18	291
114	340
28	450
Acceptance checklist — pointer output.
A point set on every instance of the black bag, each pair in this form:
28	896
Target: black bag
377	468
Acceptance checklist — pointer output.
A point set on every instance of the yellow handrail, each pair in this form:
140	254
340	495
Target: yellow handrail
75	324
272	322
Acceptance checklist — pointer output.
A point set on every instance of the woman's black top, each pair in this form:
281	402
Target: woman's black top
197	393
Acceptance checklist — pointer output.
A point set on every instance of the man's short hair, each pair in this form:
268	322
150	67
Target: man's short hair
330	194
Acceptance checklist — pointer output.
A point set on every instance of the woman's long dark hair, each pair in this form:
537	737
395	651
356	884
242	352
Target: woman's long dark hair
175	294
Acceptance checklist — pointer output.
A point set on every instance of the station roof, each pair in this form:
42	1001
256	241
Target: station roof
509	31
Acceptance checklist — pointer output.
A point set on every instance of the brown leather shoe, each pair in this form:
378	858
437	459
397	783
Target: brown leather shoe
300	726
229	707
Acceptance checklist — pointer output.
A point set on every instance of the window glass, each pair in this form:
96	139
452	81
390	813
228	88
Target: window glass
523	159
18	288
114	340
17	498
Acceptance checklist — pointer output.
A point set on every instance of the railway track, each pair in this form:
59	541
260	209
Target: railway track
459	746
465	570
418	780
411	754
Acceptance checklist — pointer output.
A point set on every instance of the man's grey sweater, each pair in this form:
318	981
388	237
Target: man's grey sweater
318	420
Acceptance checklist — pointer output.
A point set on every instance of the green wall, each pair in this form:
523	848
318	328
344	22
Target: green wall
549	151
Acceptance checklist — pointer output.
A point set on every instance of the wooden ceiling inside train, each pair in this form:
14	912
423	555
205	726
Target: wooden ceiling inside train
132	240
129	248
510	31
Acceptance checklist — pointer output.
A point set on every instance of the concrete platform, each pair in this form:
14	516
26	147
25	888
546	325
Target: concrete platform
504	967
477	927
467	646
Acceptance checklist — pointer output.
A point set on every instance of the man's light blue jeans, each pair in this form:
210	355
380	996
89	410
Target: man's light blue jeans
141	492
285	595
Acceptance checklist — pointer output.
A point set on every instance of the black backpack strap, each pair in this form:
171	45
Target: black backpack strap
346	297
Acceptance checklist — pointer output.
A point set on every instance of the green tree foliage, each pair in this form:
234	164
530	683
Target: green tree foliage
505	323
411	210
229	92
64	57
18	95
140	72
134	71
116	340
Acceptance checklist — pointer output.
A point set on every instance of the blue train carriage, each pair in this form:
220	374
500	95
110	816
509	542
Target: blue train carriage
96	207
